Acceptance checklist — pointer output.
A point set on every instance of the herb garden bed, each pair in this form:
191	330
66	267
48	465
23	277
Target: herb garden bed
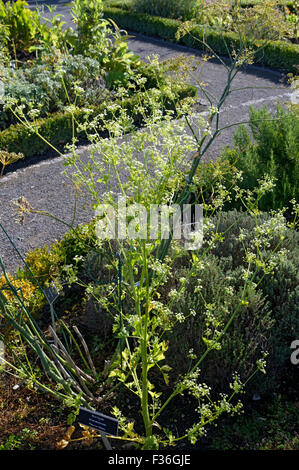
61	128
280	54
63	79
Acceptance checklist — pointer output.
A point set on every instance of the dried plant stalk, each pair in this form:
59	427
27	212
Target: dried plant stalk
7	158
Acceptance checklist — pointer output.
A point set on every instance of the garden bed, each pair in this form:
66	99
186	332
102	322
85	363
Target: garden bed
56	83
167	333
87	272
278	54
34	421
59	129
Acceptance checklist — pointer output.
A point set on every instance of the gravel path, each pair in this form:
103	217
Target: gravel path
46	188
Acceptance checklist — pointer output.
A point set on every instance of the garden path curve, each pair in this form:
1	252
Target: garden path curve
45	187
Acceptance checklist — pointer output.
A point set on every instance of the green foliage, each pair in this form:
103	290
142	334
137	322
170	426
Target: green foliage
32	297
24	27
268	320
280	289
25	32
44	265
261	21
60	80
55	95
87	16
17	441
58	128
127	4
273	427
146	310
75	244
281	3
102	39
239	350
47	263
276	54
184	9
68	63
49	85
274	151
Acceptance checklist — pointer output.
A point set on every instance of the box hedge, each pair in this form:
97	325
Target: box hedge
58	128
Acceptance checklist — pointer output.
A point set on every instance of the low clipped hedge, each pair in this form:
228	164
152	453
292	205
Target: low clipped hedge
275	54
58	128
243	3
281	3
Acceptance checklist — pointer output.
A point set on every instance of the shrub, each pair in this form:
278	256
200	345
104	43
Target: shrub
26	290
261	21
101	39
277	431
274	151
87	16
243	342
280	290
266	20
23	26
276	54
47	263
76	243
167	8
269	321
43	263
53	83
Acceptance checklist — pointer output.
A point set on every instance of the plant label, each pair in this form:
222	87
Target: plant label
104	424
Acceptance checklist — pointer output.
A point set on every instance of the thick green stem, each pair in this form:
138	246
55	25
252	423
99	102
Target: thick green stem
144	354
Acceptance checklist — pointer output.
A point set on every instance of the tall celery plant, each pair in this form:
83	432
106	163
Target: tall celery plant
156	162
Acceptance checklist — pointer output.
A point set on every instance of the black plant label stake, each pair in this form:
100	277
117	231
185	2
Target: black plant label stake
106	425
